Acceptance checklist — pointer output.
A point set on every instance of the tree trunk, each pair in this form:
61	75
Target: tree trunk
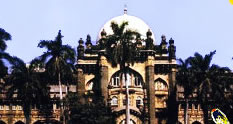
186	111
61	98
27	113
205	111
127	99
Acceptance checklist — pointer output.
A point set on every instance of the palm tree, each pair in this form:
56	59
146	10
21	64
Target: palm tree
185	79
4	36
209	80
121	50
24	84
59	61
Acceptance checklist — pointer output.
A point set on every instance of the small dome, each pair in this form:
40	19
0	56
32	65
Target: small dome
134	24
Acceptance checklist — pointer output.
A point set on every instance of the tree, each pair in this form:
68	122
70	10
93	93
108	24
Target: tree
209	80
24	84
59	61
4	36
185	79
121	50
94	112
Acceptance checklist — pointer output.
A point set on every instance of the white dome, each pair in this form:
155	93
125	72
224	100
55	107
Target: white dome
134	24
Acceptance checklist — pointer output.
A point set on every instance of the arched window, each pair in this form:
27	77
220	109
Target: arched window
116	81
131	122
124	101
137	81
90	85
160	85
128	79
132	79
114	100
19	122
196	122
139	101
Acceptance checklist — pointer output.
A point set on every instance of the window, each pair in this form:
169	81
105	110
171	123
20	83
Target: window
182	106
13	107
90	85
137	81
7	107
190	105
195	106
1	107
160	86
124	101
114	100
115	81
139	101
128	81
131	122
19	107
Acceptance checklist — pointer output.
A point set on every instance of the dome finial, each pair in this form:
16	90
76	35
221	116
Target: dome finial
125	9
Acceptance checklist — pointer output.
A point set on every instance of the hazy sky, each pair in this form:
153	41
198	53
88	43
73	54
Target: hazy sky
195	25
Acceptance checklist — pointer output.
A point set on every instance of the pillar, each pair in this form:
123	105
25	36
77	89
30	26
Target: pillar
151	93
10	116
81	86
104	82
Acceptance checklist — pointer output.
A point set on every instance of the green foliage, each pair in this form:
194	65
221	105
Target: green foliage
24	84
4	36
172	110
119	46
210	81
94	112
58	58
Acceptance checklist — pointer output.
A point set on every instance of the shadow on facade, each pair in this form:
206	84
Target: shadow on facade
47	122
196	122
19	122
2	122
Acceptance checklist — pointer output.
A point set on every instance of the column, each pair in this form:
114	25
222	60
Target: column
104	82
150	92
81	86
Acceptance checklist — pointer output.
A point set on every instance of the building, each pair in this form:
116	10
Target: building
151	79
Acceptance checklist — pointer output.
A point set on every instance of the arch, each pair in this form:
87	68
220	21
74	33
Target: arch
139	101
160	84
131	122
114	100
196	122
89	85
135	78
2	122
134	119
19	122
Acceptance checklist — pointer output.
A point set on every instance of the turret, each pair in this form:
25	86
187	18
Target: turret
163	45
80	49
172	49
149	40
103	34
138	41
88	42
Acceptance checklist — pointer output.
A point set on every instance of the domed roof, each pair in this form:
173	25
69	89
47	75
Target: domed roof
134	24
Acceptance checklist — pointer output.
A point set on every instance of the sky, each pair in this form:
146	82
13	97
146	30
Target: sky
196	25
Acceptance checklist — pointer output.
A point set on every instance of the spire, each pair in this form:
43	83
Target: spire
125	9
